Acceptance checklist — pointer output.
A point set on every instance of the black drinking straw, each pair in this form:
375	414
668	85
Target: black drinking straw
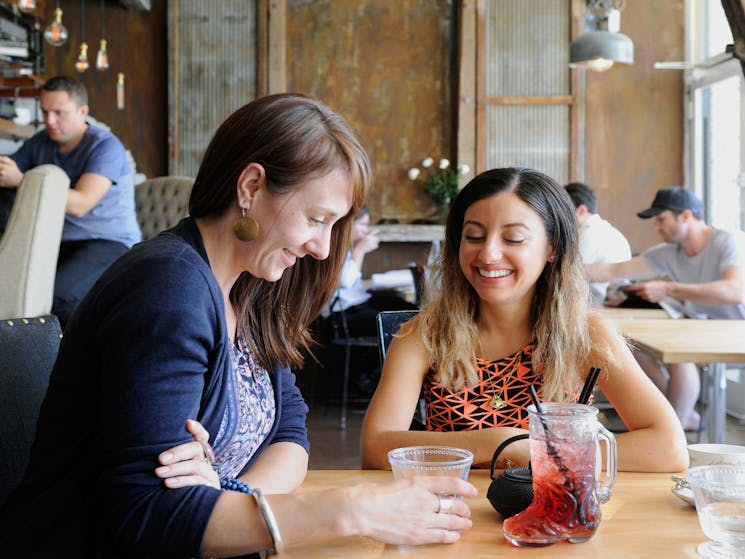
549	445
536	403
590	382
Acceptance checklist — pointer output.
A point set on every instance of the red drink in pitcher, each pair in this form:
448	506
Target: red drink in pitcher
565	504
566	493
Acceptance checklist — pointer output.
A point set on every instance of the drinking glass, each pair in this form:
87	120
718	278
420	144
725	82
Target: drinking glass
567	486
719	492
430	461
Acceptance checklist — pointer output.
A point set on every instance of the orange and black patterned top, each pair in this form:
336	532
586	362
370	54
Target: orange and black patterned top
499	399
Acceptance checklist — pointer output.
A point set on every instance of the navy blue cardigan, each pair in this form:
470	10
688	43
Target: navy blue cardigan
146	349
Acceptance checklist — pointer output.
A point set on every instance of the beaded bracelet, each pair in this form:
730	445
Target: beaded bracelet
233	484
264	508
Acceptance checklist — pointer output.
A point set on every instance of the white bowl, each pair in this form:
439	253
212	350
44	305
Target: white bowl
716	454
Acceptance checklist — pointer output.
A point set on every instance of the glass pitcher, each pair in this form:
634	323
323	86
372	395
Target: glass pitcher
567	483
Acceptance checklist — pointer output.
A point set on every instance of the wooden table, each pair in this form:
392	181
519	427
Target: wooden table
622	313
642	519
695	341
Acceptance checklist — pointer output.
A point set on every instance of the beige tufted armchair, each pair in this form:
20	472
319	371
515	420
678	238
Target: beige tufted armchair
161	202
30	245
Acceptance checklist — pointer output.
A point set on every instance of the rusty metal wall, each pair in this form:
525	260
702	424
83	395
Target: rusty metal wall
386	66
525	35
212	71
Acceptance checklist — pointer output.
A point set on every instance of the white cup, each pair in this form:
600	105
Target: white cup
716	454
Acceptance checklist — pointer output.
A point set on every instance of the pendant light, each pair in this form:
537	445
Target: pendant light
120	75
601	45
27	6
82	64
56	34
120	91
102	58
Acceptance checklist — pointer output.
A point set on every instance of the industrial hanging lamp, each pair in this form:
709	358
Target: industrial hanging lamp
102	58
82	64
601	45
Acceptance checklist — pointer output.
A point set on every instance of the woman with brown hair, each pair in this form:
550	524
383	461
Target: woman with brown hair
203	322
509	310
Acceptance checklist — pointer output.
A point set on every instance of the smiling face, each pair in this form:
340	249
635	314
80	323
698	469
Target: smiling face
294	225
503	249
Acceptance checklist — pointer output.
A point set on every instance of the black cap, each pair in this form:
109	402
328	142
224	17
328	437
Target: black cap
675	198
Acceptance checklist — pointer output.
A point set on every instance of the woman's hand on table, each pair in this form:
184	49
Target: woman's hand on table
189	463
414	511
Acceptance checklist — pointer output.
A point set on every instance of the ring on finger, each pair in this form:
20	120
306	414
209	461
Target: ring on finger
444	504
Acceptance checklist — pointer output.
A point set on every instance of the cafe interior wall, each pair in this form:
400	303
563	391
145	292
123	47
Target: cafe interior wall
137	48
635	122
392	69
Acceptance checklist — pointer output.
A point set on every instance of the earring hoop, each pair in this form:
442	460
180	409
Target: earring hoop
246	228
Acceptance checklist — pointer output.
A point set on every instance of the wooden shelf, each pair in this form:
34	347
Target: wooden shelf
410	233
20	86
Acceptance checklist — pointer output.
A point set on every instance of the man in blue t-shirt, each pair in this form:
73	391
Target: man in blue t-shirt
100	222
704	270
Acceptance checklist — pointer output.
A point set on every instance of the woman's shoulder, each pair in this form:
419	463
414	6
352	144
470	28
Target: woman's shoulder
164	253
166	267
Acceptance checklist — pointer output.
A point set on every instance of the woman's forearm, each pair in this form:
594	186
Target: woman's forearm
266	475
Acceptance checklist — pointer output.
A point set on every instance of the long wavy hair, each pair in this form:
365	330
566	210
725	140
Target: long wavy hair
561	304
296	139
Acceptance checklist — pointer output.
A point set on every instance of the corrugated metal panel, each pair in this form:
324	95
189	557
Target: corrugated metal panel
527	34
534	136
213	72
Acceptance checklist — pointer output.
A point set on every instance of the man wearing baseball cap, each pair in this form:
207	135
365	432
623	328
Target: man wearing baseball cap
704	270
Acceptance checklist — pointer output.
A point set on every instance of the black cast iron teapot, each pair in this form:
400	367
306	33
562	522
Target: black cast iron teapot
511	492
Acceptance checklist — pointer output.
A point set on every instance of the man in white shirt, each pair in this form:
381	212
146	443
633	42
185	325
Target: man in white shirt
599	241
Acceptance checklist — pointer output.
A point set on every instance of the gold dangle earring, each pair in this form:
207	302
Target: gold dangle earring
246	228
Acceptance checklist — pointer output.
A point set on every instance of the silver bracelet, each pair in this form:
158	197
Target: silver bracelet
269	520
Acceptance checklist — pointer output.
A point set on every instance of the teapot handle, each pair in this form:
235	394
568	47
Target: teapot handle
501	447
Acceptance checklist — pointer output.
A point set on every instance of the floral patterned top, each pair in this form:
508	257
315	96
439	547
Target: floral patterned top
499	399
250	413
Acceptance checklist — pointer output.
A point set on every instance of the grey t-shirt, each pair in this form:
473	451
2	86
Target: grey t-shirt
721	252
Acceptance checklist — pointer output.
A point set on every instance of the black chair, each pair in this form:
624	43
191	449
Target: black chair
417	272
389	323
340	337
28	349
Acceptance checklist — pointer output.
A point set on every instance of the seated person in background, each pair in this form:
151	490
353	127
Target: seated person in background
100	224
204	322
513	312
705	271
599	241
360	305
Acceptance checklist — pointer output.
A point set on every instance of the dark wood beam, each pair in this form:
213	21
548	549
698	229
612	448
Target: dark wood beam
735	13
